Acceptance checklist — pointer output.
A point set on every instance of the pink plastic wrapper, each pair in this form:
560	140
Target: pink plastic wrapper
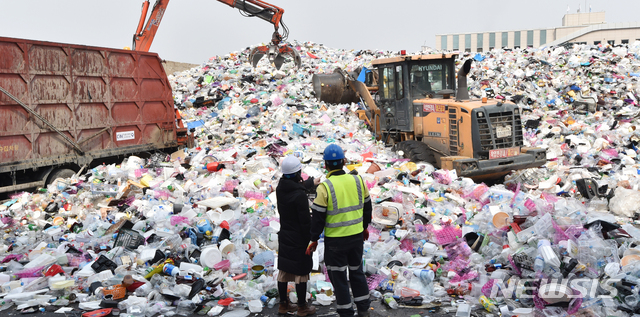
458	250
75	261
421	228
406	245
32	272
442	177
530	205
516	192
464	277
162	194
254	195
10	257
486	288
229	185
7	221
370	184
175	220
456	265
222	265
612	153
479	191
549	197
397	198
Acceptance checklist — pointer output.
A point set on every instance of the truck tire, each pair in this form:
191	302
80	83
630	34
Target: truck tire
60	173
416	151
407	147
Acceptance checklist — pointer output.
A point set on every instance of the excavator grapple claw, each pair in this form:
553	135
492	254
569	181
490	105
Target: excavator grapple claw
277	54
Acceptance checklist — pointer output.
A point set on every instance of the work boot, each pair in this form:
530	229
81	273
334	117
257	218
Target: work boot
287	307
306	310
363	313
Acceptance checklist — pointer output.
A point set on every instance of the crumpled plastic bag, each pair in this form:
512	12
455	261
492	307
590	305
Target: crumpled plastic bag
625	202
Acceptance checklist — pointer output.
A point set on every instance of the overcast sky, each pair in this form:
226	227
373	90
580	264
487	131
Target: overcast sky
194	30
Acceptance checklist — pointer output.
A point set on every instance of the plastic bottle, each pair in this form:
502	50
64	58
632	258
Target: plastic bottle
170	269
253	111
488	304
390	301
271	303
6	287
216	235
185	307
143	290
550	257
428	249
506	251
203	225
538	264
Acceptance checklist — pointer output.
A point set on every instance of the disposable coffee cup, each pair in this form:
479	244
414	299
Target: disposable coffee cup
226	246
499	218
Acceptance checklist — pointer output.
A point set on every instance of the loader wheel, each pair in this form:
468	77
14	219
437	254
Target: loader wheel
61	173
417	151
388	140
408	146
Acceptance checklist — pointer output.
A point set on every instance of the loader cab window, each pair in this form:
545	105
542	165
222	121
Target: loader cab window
391	78
429	77
400	80
388	83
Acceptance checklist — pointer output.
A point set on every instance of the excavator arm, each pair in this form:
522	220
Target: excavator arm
143	37
264	11
372	114
276	50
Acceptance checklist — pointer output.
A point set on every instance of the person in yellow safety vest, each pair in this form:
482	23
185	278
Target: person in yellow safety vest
342	209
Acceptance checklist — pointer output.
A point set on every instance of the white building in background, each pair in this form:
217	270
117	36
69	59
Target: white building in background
580	28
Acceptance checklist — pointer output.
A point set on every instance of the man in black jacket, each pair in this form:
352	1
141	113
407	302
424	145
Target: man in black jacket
342	209
295	224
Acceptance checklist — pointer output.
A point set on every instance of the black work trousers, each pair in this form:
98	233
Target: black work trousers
342	255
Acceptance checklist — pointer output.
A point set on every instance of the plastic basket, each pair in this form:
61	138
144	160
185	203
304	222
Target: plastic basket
448	234
373	281
129	239
116	291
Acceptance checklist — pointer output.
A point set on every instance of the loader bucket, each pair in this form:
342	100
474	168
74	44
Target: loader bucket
332	88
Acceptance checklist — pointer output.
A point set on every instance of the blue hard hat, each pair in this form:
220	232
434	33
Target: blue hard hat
333	152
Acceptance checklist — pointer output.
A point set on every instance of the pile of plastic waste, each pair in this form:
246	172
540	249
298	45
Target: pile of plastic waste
196	230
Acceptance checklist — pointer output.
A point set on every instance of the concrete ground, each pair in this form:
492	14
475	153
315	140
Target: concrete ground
378	310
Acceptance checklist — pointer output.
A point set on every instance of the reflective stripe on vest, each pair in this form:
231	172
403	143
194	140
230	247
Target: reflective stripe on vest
344	209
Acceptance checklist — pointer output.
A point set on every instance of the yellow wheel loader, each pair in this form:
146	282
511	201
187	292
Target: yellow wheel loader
412	102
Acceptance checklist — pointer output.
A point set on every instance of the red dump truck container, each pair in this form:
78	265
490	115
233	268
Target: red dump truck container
66	106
